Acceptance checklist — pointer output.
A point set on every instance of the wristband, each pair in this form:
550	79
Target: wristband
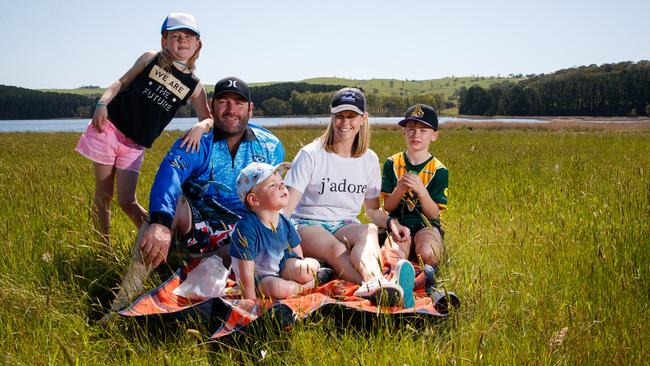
99	104
388	230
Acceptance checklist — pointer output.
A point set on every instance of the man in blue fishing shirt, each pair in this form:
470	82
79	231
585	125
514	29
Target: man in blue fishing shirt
194	197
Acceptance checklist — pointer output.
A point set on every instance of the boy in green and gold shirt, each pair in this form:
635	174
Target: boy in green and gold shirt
414	187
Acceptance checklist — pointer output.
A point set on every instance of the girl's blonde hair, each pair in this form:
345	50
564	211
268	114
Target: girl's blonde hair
166	60
361	141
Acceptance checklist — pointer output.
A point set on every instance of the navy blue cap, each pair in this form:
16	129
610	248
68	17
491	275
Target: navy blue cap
232	85
349	99
421	113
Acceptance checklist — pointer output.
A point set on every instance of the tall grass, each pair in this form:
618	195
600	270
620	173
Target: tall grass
548	247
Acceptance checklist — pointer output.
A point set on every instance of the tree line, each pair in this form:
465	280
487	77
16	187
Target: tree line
282	99
619	89
22	103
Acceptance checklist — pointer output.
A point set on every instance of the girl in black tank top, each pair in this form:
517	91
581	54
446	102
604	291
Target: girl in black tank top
136	108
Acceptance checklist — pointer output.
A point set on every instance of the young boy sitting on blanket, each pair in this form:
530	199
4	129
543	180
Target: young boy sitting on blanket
265	246
414	189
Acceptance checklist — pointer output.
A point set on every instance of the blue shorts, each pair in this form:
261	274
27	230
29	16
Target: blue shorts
330	226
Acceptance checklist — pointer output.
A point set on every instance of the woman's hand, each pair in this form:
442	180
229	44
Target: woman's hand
398	232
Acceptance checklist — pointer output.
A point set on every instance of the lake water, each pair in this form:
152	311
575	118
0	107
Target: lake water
79	125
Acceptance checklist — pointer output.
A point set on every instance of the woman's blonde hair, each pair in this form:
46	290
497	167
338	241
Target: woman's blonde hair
361	140
166	60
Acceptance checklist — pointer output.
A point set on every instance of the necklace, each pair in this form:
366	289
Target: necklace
181	63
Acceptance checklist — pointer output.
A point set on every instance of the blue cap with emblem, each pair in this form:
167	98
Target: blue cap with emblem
349	99
421	113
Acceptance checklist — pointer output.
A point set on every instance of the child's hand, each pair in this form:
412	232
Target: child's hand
101	113
192	138
403	185
413	183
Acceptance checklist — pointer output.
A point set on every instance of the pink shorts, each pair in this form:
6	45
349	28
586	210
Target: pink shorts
110	147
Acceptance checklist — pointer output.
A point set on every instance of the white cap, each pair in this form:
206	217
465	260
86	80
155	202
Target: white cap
256	173
176	21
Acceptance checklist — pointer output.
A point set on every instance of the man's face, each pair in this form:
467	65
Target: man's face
231	112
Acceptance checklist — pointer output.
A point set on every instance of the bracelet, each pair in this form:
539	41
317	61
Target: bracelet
99	104
388	230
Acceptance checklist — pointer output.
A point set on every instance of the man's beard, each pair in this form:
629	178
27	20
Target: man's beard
232	130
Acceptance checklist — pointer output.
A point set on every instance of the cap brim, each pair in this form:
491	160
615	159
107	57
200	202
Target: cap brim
346	107
282	167
414	119
231	91
184	27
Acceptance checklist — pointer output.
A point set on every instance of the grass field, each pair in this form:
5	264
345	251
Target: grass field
548	247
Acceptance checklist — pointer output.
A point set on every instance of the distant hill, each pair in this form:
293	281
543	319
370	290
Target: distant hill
385	87
89	92
392	87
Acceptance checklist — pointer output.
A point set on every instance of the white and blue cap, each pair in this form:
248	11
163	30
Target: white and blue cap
256	173
349	99
175	21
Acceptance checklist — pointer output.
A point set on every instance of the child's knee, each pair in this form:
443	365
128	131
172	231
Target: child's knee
308	269
431	253
311	264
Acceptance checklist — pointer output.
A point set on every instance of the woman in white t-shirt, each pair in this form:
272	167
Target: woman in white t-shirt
329	181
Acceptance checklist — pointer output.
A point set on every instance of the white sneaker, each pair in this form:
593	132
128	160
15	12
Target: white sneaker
381	292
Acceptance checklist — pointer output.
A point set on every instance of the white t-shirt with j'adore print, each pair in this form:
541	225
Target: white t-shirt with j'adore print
333	188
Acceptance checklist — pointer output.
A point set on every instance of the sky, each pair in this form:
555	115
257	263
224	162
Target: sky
67	44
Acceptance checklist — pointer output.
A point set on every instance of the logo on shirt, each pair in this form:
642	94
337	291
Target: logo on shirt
168	80
327	185
259	158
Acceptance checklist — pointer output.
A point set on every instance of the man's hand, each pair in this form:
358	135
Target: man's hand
155	244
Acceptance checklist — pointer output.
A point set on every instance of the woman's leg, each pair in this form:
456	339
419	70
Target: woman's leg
395	251
365	254
127	180
104	188
320	244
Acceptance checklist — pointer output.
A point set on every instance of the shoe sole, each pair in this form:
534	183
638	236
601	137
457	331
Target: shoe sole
405	274
444	300
387	296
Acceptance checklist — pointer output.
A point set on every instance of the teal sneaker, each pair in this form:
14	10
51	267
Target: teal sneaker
405	278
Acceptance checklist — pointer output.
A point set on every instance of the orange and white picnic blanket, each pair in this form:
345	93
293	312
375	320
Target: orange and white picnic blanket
239	312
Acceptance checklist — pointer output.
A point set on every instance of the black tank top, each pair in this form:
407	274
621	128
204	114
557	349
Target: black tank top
145	108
